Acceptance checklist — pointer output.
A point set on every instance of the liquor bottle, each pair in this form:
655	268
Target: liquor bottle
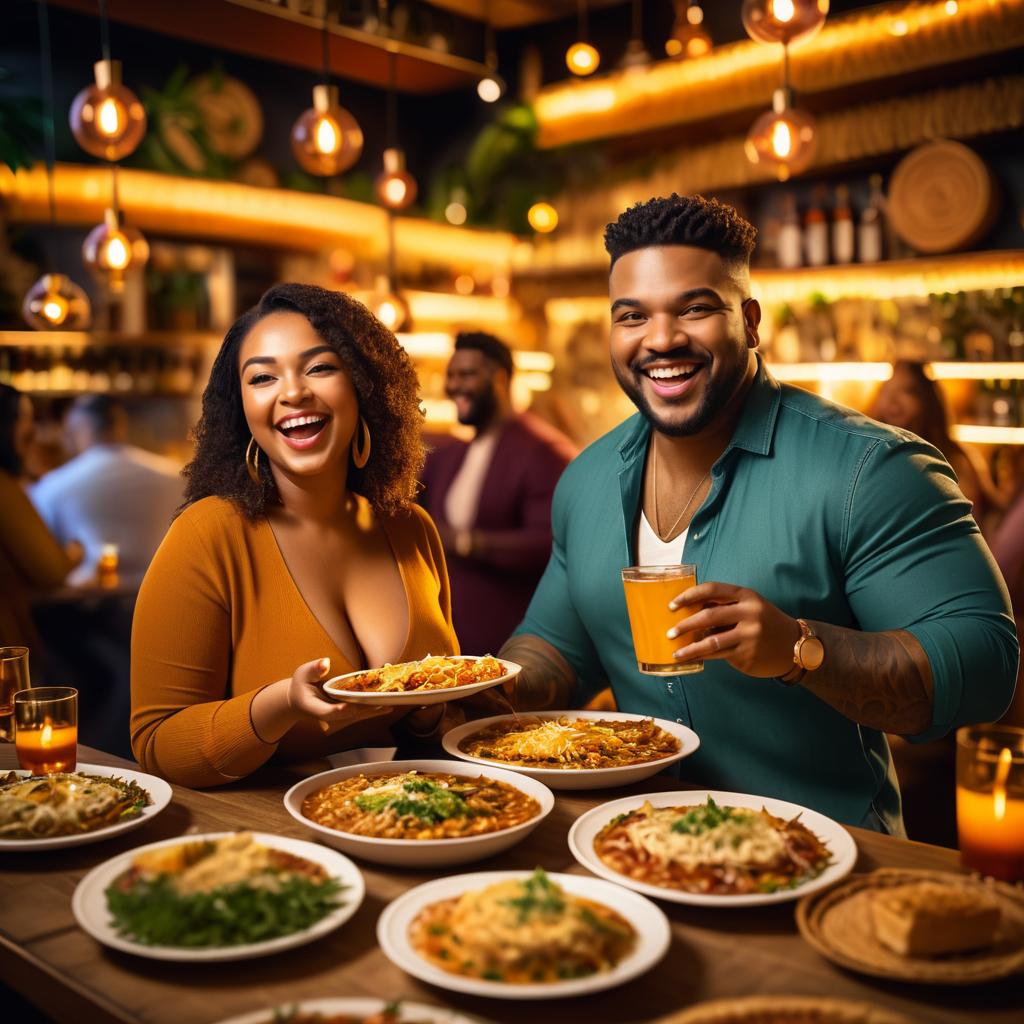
870	230
789	249
842	227
816	233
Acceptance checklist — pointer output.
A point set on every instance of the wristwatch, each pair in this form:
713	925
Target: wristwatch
808	654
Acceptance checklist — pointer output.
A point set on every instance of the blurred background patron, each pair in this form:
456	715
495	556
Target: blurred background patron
110	492
31	559
491	498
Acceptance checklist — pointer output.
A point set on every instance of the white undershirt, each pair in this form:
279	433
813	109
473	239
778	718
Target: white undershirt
652	550
463	499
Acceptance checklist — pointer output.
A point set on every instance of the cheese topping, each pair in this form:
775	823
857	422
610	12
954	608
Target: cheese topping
745	839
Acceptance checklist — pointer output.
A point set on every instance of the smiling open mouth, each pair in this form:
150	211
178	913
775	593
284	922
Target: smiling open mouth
673	374
302	428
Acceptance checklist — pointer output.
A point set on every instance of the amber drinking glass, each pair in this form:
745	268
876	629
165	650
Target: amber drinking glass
649	588
13	677
46	729
990	800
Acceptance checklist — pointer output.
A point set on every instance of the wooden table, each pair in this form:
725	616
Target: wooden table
714	954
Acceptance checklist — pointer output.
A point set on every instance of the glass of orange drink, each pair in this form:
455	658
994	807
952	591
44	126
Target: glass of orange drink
649	589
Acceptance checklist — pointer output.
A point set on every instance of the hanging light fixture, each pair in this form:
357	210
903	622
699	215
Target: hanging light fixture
326	139
395	186
783	138
581	58
54	302
689	36
491	87
107	119
388	306
543	217
112	248
636	55
783	21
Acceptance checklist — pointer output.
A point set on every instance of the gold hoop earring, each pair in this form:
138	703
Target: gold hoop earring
252	460
360	457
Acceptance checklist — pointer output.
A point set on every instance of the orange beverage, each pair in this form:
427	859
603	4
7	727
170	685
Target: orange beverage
47	750
13	677
106	567
649	589
46	729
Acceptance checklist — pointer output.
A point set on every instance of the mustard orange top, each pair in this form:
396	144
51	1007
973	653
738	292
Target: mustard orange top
219	617
31	561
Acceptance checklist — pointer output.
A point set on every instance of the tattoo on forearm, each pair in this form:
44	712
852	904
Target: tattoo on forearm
881	680
547	679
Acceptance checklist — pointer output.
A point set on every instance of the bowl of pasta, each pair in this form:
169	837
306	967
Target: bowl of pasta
419	813
574	749
434	679
710	848
523	934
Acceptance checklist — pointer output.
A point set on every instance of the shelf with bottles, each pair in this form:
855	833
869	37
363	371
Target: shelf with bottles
51	371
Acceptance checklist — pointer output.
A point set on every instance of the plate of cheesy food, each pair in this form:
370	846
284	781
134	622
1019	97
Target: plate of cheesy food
46	812
216	897
431	680
523	934
357	1010
711	848
419	813
574	749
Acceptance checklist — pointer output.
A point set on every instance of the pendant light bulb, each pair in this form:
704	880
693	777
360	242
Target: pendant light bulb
783	21
491	88
112	248
389	307
582	59
782	138
326	139
543	218
56	303
689	36
107	119
395	186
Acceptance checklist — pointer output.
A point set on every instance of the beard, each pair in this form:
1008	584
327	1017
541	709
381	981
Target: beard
482	409
718	389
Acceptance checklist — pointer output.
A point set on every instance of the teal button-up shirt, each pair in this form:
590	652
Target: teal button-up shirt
830	516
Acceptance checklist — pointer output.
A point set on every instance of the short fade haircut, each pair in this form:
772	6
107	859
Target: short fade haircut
493	348
682	220
102	411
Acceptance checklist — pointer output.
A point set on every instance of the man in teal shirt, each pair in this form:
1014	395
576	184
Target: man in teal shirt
847	591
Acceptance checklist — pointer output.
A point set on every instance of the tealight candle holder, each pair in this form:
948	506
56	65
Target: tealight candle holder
46	729
990	800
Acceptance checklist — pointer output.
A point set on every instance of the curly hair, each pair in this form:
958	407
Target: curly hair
682	220
385	383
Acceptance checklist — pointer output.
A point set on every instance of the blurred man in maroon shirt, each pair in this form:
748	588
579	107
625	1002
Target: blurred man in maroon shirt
491	498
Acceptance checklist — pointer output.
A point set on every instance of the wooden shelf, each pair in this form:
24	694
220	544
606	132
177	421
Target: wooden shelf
77	341
978	433
858	371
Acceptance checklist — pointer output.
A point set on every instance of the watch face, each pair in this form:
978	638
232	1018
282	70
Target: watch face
812	653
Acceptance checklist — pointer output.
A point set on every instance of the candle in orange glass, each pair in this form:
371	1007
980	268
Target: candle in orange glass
990	817
46	750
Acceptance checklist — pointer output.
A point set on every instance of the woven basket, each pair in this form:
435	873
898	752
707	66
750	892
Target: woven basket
785	1010
838	924
942	197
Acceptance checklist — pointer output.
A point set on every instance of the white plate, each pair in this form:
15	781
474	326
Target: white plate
831	833
577	778
330	1007
426	853
159	793
417	698
651	925
89	902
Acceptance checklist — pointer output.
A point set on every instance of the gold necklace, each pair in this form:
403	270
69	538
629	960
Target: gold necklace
689	501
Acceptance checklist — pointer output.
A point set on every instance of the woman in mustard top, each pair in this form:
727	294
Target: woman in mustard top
299	552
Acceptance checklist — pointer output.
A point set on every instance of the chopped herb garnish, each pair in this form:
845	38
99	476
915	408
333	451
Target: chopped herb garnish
540	896
710	815
419	798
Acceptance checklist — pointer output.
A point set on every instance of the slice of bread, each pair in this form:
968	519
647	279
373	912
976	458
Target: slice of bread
929	918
